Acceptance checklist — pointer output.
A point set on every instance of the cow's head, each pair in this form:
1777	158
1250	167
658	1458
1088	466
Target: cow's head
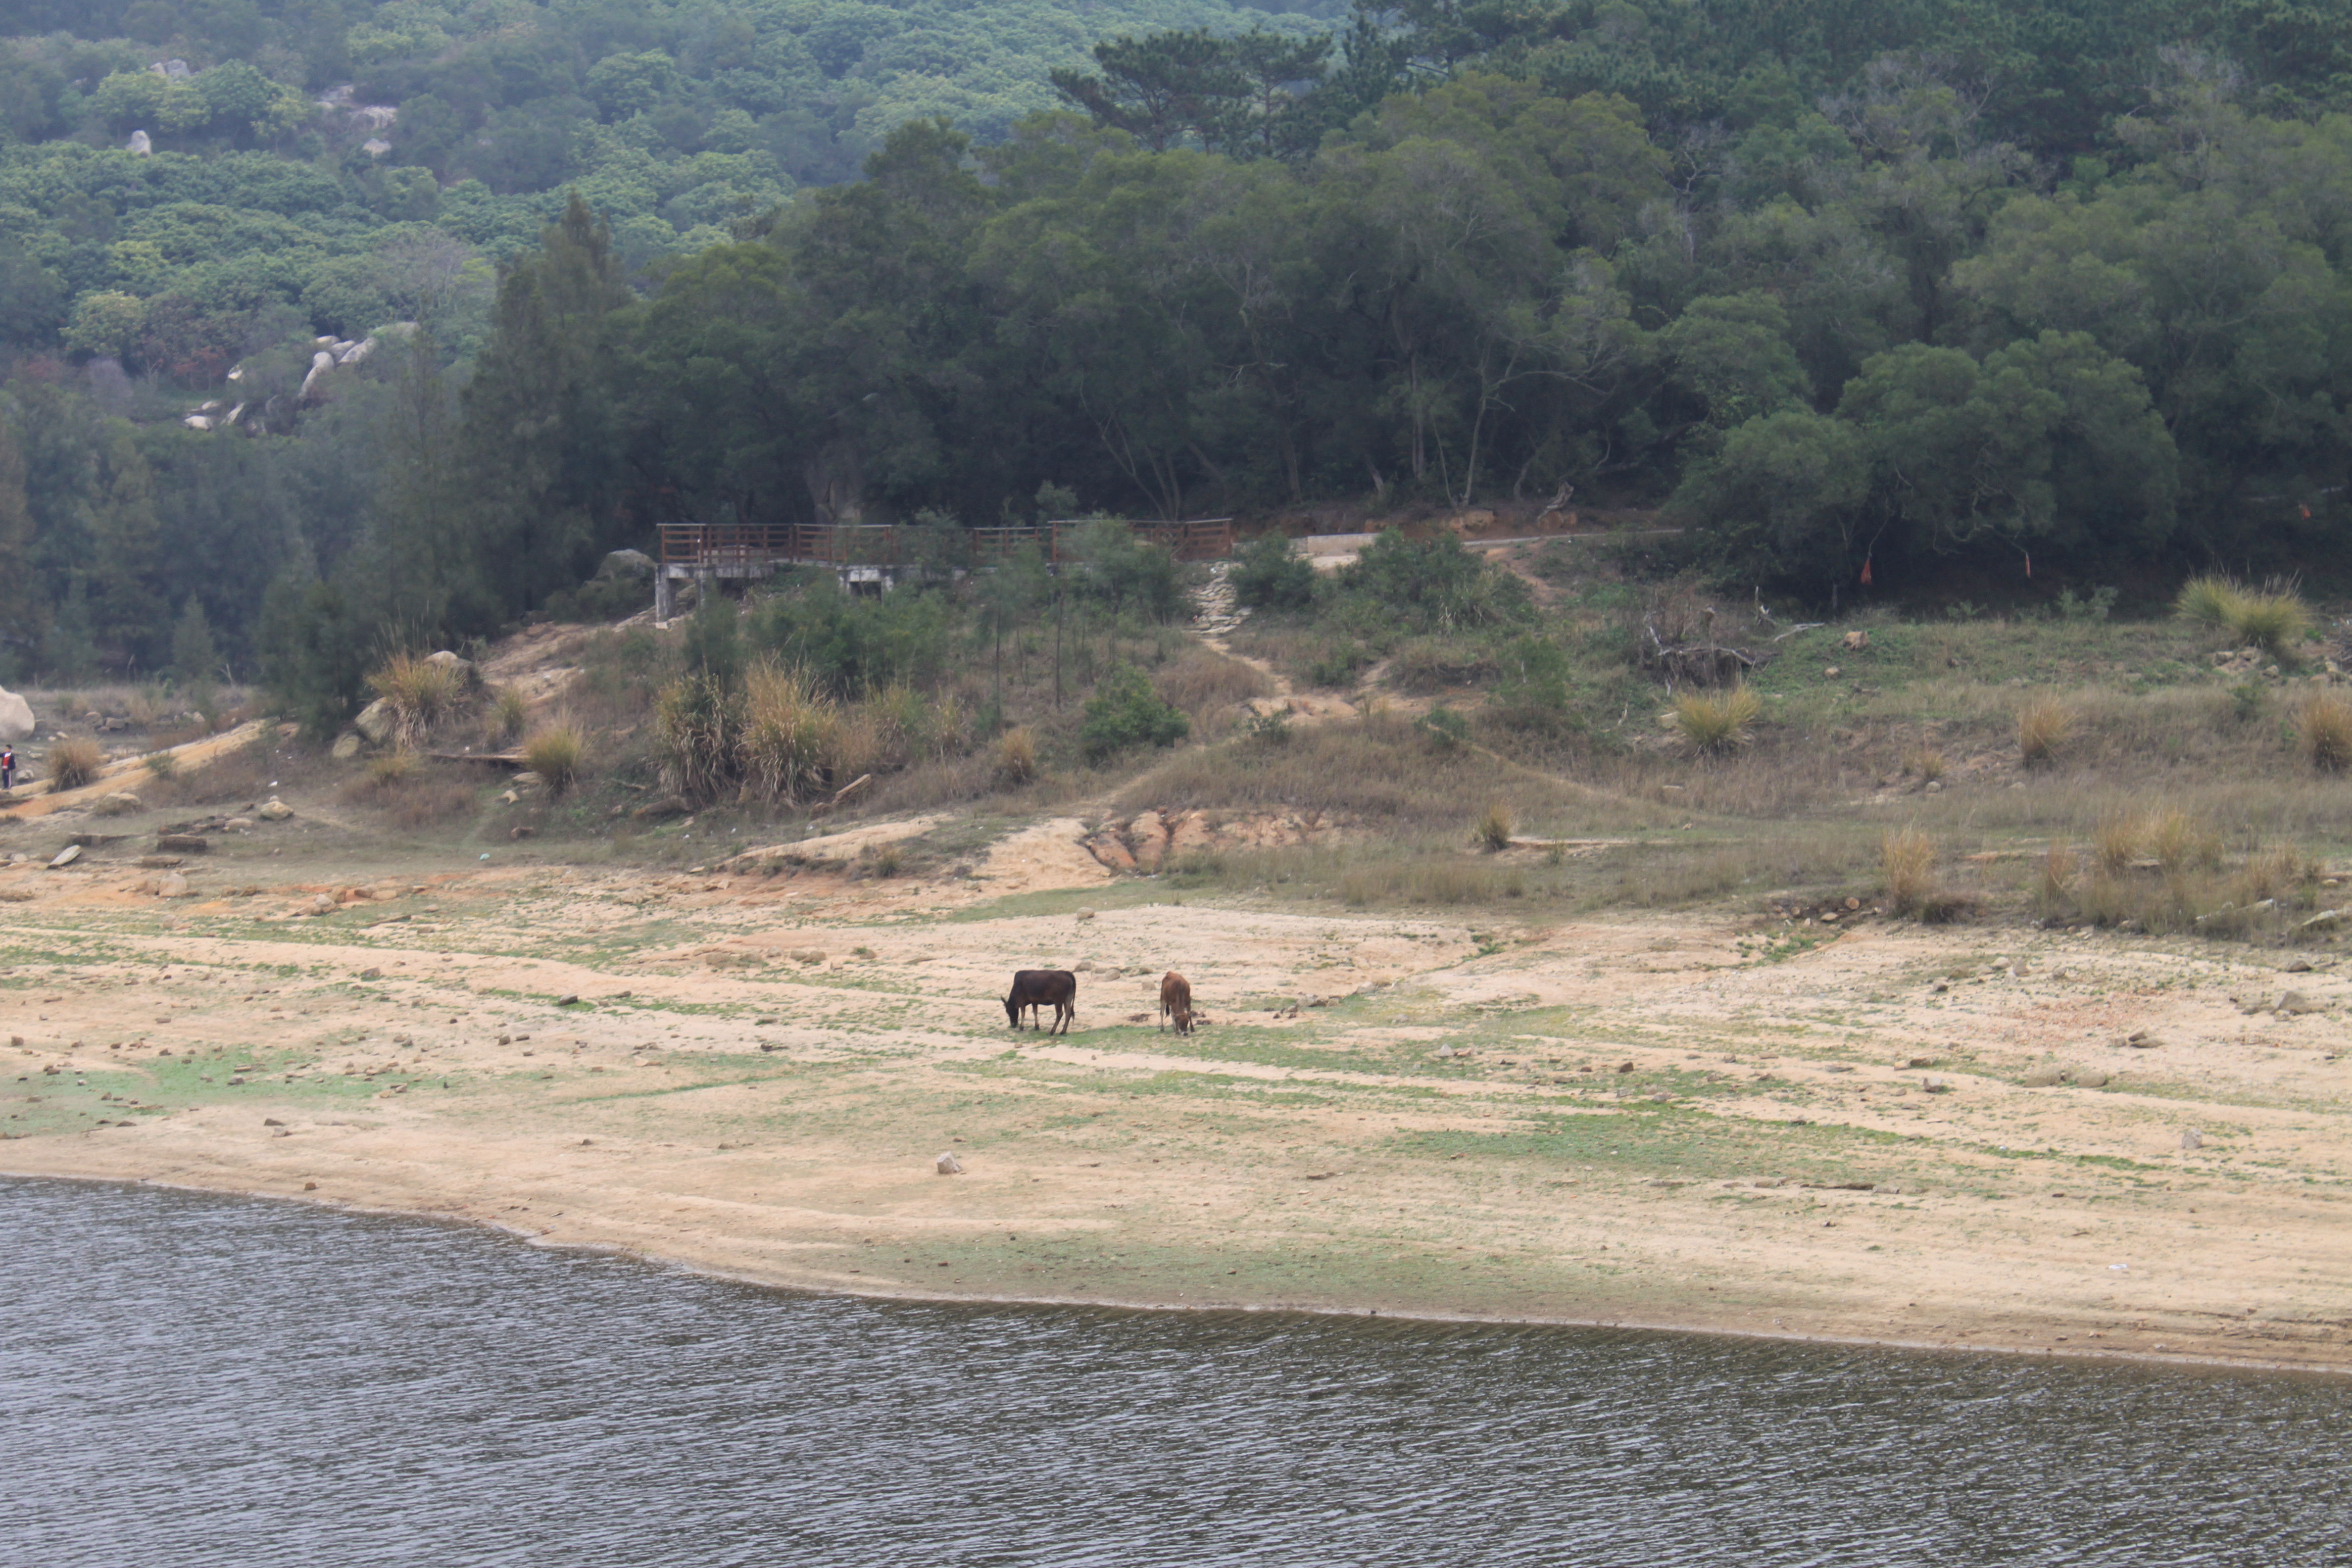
1013	1009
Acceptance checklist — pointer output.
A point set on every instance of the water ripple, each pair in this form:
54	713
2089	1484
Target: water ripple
188	1381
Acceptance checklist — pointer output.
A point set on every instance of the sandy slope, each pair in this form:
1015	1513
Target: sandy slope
762	1069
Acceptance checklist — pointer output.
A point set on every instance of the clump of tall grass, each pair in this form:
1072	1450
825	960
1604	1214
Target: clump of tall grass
2114	843
554	753
1016	755
1906	858
74	763
1493	829
2180	842
792	733
163	764
2324	729
2059	867
509	713
1926	762
2206	600
698	722
2043	725
2273	620
2273	617
424	694
1713	722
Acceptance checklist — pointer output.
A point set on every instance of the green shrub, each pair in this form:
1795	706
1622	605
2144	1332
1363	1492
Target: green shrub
1447	730
1125	712
1434	585
1269	574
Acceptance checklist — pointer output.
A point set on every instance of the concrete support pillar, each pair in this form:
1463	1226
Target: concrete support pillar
665	594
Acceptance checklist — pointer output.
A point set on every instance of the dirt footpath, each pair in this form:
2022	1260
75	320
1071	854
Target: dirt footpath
2018	1140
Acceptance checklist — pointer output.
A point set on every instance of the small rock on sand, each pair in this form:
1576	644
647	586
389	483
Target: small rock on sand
65	857
275	810
2296	1002
2042	1077
2190	1137
949	1165
2091	1078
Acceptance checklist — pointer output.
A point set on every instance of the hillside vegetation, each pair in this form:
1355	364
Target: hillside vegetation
1987	301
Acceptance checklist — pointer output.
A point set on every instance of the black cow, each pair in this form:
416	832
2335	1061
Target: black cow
1035	988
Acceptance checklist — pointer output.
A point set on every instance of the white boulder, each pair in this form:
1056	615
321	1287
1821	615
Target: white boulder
16	717
376	722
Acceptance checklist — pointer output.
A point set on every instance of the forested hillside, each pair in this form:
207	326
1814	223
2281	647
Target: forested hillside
2057	291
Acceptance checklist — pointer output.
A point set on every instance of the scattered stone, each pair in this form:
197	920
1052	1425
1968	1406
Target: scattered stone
2141	1040
275	810
1854	642
183	844
1920	1062
1936	1085
2042	1077
322	905
346	746
237	824
158	862
2091	1078
522	832
65	857
527	780
1831	672
371	974
1085	914
2325	920
2295	1002
121	802
1625	1066
172	885
949	1165
2300	966
1442	1051
271	1122
563	1001
508	798
808	956
2190	1137
668	806
1084	966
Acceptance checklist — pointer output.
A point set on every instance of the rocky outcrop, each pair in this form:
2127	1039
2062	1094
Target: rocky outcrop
376	722
626	563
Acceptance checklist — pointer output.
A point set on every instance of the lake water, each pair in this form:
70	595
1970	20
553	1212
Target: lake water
188	1381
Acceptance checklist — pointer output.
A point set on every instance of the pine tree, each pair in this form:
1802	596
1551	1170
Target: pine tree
540	416
20	604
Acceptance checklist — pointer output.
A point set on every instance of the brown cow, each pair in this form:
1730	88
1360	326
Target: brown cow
1035	988
1176	1001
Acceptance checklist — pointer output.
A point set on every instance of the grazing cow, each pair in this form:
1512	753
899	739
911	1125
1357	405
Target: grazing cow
1035	988
1176	1001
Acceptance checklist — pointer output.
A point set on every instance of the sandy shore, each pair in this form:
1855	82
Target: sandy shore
1683	1122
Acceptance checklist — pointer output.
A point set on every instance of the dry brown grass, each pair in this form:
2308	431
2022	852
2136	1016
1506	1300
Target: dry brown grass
2043	725
1202	681
2323	730
2180	841
1926	763
74	763
1016	755
791	735
423	694
1906	858
2060	867
1493	829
